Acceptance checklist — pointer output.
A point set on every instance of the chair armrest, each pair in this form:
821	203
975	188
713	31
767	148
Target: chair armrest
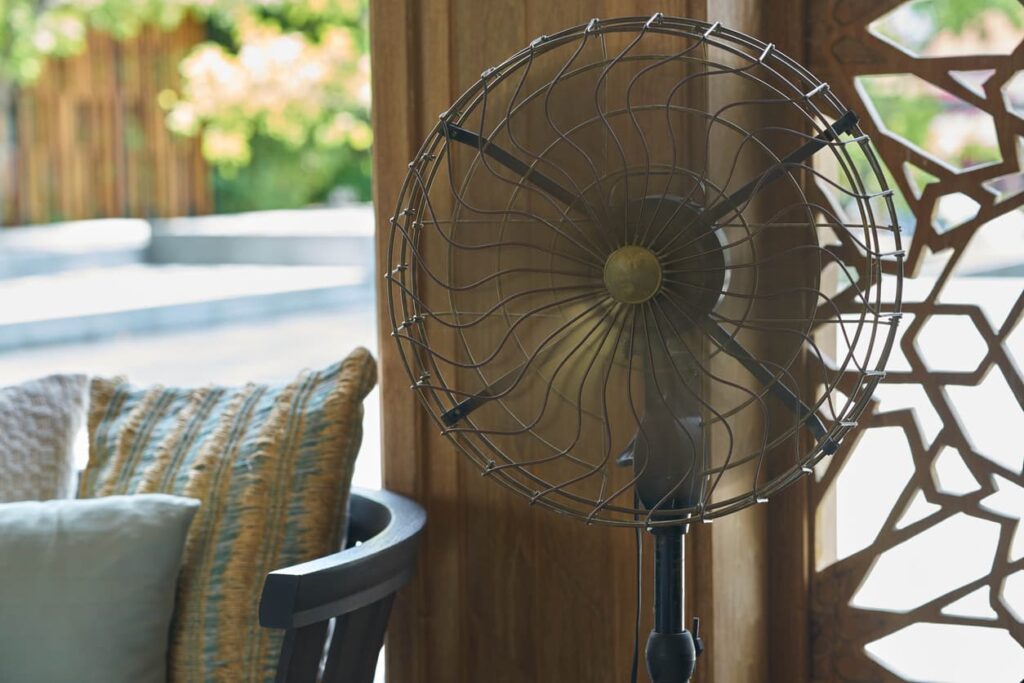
388	527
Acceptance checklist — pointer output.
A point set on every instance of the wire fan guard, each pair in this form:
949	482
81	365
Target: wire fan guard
616	283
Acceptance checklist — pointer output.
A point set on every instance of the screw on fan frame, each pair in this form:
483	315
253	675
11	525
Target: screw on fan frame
579	285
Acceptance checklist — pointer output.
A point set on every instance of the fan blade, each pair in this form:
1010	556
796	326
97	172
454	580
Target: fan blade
509	161
499	387
704	221
729	344
716	213
668	448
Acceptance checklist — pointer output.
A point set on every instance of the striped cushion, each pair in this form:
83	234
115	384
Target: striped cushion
271	466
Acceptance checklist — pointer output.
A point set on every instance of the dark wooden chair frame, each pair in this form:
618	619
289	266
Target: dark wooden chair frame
354	587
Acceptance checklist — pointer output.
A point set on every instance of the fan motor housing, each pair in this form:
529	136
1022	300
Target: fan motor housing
692	266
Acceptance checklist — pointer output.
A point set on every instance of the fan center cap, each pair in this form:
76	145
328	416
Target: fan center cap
632	274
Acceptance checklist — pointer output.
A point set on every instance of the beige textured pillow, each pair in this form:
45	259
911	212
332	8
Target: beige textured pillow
272	467
38	423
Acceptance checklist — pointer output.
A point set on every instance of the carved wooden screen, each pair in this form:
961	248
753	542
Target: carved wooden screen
919	570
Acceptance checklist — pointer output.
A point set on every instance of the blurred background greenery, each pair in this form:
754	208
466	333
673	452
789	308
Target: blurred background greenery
952	132
278	93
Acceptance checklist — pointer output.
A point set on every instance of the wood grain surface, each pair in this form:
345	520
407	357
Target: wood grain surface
507	592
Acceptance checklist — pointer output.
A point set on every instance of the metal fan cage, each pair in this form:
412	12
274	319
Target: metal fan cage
555	159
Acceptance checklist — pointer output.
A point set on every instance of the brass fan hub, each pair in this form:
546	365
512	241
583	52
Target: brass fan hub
632	274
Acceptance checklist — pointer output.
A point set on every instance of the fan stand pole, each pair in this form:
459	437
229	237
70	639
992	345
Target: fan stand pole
672	651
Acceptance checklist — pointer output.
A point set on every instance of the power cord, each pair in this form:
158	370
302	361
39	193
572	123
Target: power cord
639	602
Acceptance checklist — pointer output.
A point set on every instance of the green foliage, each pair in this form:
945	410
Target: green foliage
278	94
32	31
283	177
923	114
907	114
280	98
958	15
918	24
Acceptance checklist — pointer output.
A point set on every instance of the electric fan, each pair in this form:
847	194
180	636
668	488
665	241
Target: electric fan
617	285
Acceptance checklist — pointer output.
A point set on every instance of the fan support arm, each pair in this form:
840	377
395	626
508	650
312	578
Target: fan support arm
509	161
731	204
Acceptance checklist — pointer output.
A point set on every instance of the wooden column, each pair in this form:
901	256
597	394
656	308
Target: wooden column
788	533
506	592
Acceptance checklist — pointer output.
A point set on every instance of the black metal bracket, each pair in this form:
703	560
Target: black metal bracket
672	651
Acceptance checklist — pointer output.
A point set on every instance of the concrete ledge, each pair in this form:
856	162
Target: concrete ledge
42	249
86	280
342	236
178	317
88	305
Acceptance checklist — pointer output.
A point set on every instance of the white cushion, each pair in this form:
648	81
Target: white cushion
38	423
88	587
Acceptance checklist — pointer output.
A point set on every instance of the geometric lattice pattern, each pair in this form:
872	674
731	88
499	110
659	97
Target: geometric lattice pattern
920	550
